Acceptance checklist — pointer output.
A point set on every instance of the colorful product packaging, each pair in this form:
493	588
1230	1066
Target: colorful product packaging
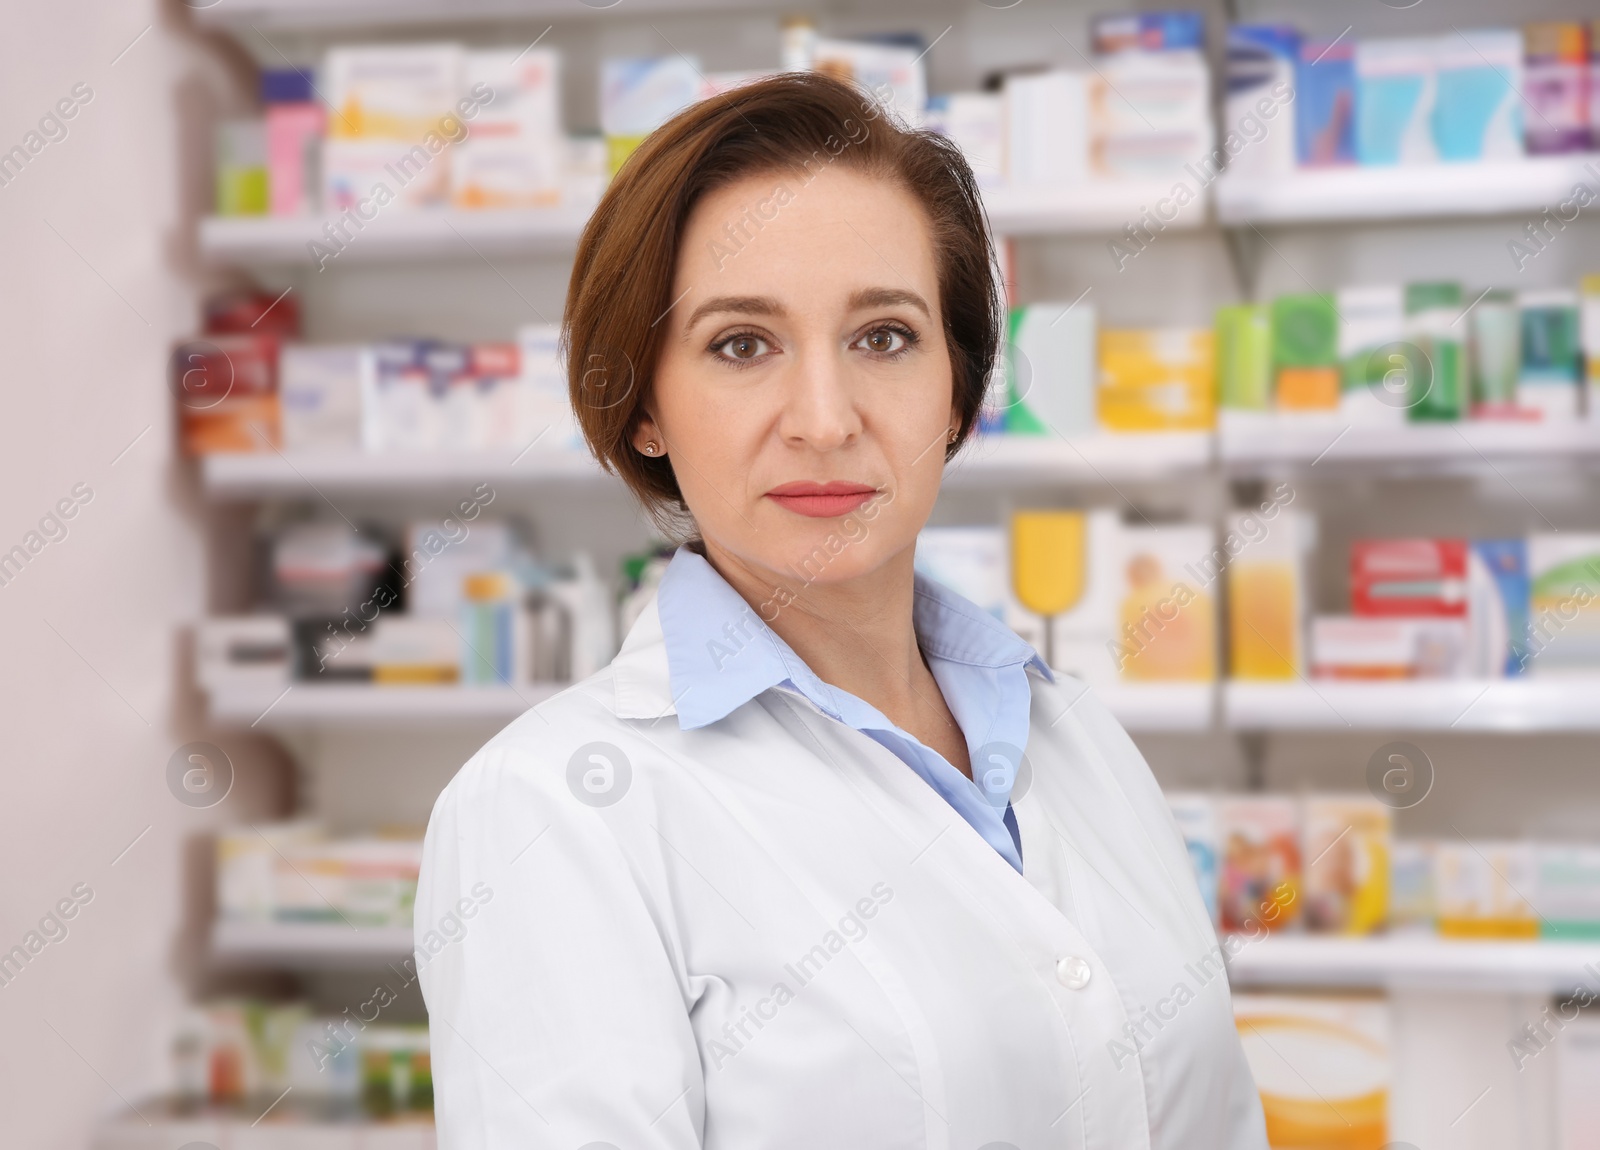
1564	604
1244	357
1396	87
1260	72
319	390
490	613
976	121
1323	1066
1083	634
1411	894
1050	363
1567	886
544	418
1589	324
638	95
1347	852
1157	380
1496	356
1047	128
295	124
1478	114
1550	382
1305	352
1498	597
1439	391
894	73
1479	887
227	389
1325	103
1261	863
1267	596
1376	365
514	153
1196	817
1350	647
1170	31
1166	616
1149	114
1409	577
384	101
241	188
1556	67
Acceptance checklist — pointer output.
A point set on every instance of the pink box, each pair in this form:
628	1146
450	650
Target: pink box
294	137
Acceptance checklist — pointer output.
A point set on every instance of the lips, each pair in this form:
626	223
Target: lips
821	500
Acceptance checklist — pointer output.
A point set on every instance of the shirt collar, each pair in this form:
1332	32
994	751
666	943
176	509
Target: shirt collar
721	653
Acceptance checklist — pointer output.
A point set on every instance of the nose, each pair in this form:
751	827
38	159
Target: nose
819	409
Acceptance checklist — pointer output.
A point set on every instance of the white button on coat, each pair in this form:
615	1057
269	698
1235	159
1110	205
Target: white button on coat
1073	972
770	933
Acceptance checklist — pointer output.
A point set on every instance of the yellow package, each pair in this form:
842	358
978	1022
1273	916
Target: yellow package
1267	593
1480	889
1166	617
1347	849
1158	379
1323	1067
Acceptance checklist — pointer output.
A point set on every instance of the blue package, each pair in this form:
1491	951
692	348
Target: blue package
1478	114
1147	32
1498	605
1325	104
1395	95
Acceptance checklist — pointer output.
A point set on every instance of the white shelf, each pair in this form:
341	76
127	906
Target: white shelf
988	461
286	1126
395	233
1504	705
360	705
1255	439
1330	195
313	944
1154	707
416	234
238	16
302	476
1092	206
1424	963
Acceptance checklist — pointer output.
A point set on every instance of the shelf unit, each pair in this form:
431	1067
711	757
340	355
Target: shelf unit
319	946
301	705
987	462
1423	963
156	1127
1249	441
398	234
314	15
1479	705
1421	191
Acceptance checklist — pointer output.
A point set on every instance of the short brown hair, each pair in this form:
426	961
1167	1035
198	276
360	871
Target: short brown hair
623	272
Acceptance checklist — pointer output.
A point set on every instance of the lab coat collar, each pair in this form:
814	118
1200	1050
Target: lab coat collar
642	675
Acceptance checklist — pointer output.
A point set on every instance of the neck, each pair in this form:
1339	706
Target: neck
854	634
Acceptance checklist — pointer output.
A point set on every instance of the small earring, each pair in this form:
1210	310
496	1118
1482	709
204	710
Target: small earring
953	433
650	447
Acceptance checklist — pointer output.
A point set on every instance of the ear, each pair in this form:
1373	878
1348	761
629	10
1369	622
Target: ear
644	432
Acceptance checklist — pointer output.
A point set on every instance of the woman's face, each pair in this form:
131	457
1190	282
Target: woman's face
804	388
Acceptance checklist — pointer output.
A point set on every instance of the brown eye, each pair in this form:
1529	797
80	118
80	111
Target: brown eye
743	347
882	341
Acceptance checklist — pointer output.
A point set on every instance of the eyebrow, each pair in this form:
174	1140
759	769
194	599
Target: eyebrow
765	305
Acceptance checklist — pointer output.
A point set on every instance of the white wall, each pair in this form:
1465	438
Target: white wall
95	281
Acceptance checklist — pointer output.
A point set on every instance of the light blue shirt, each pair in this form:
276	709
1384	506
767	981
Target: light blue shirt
721	654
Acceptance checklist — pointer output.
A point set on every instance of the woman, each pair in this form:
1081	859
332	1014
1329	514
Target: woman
782	875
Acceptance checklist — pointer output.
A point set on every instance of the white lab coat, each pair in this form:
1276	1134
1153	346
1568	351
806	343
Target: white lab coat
775	934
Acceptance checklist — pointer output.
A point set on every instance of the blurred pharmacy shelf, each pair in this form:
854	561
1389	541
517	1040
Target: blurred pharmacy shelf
308	944
987	461
1509	705
274	474
157	1127
1096	206
1247	440
1423	963
1139	707
413	235
363	705
1092	206
1333	195
241	18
